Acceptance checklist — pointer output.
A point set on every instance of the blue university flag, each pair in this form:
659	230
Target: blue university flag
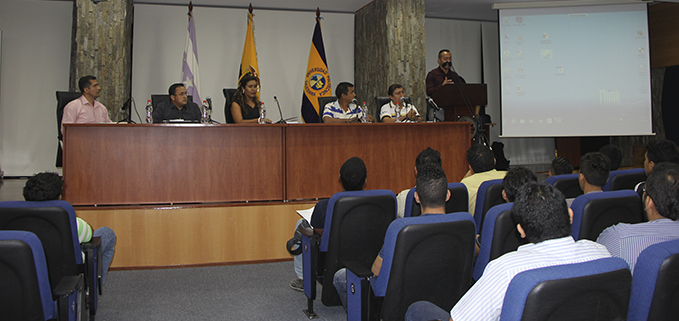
317	79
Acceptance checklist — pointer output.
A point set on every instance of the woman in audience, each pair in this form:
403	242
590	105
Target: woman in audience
245	105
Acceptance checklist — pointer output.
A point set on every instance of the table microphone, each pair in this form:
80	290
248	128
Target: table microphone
431	101
282	121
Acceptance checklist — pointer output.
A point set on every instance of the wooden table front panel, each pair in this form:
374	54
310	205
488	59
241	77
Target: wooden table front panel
167	163
315	153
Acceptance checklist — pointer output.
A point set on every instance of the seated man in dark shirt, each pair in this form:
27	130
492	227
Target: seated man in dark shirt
179	107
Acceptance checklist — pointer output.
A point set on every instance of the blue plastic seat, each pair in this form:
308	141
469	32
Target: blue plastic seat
458	201
488	195
624	179
567	183
594	212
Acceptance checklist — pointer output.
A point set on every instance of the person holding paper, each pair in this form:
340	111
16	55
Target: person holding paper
179	107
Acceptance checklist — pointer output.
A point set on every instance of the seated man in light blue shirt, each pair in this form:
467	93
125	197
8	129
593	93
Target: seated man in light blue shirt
661	204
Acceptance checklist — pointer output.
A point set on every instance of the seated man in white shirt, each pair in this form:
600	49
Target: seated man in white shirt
661	203
343	110
544	219
86	109
398	105
594	170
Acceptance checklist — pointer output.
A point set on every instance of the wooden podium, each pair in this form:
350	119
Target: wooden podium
450	98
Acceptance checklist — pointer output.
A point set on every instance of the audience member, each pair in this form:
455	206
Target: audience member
661	204
481	168
543	219
48	186
426	156
657	151
407	112
560	166
614	155
594	170
432	194
353	175
516	178
343	110
178	107
86	109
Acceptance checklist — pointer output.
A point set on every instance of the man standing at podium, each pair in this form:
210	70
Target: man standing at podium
441	76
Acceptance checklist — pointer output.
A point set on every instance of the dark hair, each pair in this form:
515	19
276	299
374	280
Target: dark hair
353	174
393	88
239	97
442	51
45	186
596	167
343	88
515	179
542	211
614	155
480	158
662	150
427	156
85	82
173	89
432	186
561	165
662	186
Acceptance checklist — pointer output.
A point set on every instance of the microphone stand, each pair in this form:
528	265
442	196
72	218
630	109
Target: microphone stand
282	121
481	137
127	106
436	108
209	106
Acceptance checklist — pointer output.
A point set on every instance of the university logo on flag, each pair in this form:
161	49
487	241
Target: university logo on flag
317	79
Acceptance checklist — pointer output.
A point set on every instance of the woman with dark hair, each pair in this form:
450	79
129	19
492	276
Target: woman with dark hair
245	105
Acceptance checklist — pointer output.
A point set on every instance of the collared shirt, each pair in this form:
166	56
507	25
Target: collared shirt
168	111
80	111
484	300
435	79
389	110
626	240
334	110
473	182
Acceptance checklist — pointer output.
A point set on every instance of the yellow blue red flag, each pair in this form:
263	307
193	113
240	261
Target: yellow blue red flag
317	79
248	63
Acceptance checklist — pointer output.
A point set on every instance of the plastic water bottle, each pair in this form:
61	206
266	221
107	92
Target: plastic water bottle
262	114
204	108
149	112
397	108
364	110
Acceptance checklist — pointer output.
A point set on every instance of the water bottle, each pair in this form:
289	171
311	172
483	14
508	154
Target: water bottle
149	112
204	108
397	108
364	109
262	114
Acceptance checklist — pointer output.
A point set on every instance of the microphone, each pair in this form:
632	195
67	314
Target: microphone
209	102
125	106
404	101
282	121
431	101
354	101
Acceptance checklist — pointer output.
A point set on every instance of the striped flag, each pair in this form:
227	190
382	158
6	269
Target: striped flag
190	62
248	63
317	79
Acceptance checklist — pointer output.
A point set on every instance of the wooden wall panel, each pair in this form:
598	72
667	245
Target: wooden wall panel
663	24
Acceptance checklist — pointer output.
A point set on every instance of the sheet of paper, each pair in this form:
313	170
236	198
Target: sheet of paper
306	214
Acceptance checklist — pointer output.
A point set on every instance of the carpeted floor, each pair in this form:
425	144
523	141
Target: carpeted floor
237	292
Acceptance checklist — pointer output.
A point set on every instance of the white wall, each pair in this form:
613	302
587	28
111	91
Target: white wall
283	40
36	47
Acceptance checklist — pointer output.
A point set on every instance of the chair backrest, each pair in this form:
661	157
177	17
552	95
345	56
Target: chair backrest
501	237
379	102
228	96
156	99
355	225
56	228
655	286
425	258
624	179
322	101
567	184
594	212
63	98
488	195
25	292
458	201
594	290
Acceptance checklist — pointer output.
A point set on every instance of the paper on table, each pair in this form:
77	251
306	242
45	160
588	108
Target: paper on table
306	214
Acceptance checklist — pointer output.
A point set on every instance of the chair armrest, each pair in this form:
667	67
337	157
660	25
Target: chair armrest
306	231
67	285
358	269
69	294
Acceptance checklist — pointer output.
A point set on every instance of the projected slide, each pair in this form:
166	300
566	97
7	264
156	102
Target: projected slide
575	71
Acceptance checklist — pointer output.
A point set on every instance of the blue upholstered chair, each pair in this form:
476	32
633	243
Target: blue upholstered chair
567	184
458	201
594	290
624	179
355	225
500	237
322	101
655	286
424	258
25	291
594	212
488	195
54	222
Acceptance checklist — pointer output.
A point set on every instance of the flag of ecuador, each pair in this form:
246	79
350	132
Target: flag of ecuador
317	79
248	63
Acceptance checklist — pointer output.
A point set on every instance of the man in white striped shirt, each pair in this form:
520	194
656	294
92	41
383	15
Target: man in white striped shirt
661	204
544	219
